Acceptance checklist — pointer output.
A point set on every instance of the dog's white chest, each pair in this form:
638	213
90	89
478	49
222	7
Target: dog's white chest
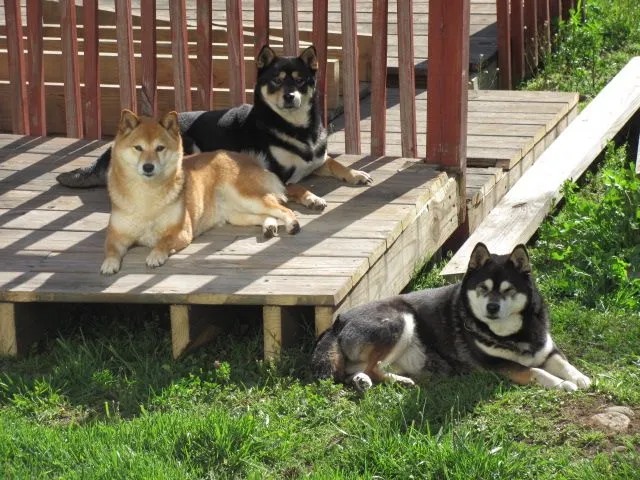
150	227
533	359
290	160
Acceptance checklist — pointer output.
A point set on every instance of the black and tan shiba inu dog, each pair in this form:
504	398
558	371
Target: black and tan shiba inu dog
495	319
283	130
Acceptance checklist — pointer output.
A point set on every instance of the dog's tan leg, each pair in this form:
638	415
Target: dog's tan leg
304	196
269	224
557	365
523	376
274	208
173	241
115	246
333	168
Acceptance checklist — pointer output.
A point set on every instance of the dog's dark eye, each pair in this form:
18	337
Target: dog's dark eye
160	148
300	82
277	82
138	148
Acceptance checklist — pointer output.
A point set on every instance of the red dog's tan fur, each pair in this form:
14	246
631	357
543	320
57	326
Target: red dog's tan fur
160	201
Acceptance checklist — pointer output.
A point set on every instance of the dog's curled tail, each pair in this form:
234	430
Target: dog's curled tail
327	360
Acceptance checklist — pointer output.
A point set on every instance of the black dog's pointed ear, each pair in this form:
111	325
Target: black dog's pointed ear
479	256
310	58
520	259
265	57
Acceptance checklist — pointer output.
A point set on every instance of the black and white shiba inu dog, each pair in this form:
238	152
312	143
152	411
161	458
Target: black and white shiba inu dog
494	319
282	129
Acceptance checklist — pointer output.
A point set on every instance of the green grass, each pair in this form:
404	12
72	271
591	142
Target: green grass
102	399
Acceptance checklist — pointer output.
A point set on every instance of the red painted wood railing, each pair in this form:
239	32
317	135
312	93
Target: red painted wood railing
524	33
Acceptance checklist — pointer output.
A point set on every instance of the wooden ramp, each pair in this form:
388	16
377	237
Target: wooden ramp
519	214
364	246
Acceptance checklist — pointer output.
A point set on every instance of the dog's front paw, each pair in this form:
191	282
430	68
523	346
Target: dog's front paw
270	227
567	386
582	381
404	381
314	202
358	177
156	258
361	381
110	266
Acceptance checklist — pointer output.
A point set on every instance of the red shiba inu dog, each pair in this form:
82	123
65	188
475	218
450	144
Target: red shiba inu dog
162	201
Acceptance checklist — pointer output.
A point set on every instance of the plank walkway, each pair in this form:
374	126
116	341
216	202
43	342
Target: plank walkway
365	245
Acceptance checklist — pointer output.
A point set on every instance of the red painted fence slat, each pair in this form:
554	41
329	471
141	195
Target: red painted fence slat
517	41
236	52
555	7
320	41
531	34
544	25
126	66
290	26
204	72
93	110
351	88
35	90
15	54
379	78
180	53
407	80
149	92
72	98
260	25
504	44
447	92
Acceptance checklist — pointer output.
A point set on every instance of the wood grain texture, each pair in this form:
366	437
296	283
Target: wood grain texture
18	102
518	58
236	52
272	331
406	79
544	25
290	27
148	49
91	64
35	90
320	41
126	69
518	215
181	70
351	89
203	72
260	25
73	100
379	78
530	14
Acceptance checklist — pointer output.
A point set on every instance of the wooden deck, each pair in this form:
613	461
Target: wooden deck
365	245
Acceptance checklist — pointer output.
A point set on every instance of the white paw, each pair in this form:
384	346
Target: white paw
314	202
358	177
156	258
582	381
405	381
270	227
110	266
567	386
361	381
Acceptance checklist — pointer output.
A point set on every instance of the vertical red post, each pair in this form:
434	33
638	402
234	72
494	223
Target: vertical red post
351	90
204	72
379	78
93	110
72	95
504	44
17	68
180	54
237	80
567	6
447	88
149	91
126	66
320	41
555	10
260	25
531	34
407	79
544	25
517	41
35	91
290	27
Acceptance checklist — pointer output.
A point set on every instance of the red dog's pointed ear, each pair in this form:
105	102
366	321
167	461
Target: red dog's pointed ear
479	256
128	121
170	123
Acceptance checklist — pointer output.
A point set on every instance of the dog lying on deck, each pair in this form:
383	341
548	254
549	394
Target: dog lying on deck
282	129
162	201
495	319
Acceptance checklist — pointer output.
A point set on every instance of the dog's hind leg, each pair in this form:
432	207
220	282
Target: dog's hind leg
306	197
273	208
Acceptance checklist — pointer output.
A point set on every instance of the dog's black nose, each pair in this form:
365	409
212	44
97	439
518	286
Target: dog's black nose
493	308
148	167
288	97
